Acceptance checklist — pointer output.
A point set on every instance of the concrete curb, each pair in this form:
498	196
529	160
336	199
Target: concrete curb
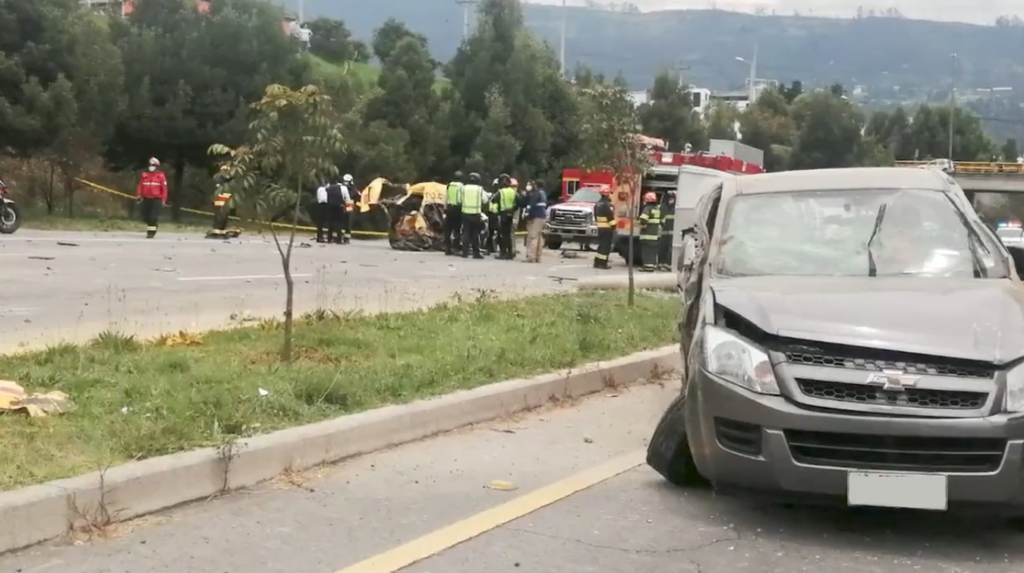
665	281
42	512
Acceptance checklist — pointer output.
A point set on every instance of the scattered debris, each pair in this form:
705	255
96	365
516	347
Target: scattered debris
502	485
570	254
588	440
63	244
14	400
263	393
180	338
40	258
166	270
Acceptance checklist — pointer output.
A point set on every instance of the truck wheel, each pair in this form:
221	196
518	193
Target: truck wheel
553	243
669	450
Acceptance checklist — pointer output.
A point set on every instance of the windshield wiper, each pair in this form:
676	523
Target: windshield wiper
872	269
973	241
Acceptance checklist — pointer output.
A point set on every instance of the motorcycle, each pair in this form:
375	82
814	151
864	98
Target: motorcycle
10	215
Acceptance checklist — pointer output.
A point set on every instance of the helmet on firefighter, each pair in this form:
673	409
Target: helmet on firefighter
650	197
154	162
459	176
504	179
474	177
347	178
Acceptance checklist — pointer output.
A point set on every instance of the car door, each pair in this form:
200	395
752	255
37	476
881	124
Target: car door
693	271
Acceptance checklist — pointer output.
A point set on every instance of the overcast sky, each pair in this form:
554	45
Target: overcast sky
975	11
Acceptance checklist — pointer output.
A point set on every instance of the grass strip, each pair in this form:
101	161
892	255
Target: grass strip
141	399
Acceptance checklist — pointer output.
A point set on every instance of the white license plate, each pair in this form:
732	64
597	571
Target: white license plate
897	490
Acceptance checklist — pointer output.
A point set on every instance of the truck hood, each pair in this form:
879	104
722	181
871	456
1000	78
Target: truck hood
580	206
971	319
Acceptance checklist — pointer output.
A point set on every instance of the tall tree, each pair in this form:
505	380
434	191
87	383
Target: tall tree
496	149
190	75
389	35
406	101
829	133
333	41
670	114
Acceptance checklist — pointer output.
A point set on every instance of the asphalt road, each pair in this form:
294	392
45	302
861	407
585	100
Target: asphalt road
71	286
331	520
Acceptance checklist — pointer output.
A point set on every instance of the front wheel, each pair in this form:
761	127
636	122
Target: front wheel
10	218
553	243
669	451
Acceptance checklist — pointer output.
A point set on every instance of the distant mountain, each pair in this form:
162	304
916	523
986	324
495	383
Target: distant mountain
893	55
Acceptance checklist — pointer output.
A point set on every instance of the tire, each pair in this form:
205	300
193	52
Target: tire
553	243
669	450
10	219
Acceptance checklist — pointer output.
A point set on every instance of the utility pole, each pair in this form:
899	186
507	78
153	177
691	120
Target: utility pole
465	15
753	77
561	58
952	101
302	11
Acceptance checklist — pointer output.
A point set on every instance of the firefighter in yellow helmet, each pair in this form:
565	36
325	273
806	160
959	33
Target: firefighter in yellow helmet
604	216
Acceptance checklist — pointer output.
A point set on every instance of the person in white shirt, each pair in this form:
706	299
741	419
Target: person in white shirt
305	36
321	216
348	208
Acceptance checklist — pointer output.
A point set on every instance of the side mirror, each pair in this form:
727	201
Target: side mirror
1017	254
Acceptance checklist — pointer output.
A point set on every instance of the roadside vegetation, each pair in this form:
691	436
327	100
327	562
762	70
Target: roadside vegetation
138	399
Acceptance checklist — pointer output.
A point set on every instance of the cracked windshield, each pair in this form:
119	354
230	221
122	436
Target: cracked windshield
430	286
852	233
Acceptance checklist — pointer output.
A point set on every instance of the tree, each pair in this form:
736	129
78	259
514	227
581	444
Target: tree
1010	150
406	101
288	146
495	149
387	37
609	123
670	114
333	42
829	133
190	76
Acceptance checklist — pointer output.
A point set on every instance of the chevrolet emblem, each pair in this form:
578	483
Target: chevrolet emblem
893	380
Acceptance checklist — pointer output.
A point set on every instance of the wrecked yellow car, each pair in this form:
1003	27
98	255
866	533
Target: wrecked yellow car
416	217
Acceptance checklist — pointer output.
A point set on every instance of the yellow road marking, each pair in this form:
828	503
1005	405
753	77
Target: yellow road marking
433	543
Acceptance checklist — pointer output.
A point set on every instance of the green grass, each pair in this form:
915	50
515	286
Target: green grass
136	399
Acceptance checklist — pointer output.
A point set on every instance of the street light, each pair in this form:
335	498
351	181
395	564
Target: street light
952	101
752	94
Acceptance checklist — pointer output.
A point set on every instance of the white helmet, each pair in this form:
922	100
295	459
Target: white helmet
347	178
154	162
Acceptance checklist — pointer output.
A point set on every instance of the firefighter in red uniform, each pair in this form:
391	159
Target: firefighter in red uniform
152	192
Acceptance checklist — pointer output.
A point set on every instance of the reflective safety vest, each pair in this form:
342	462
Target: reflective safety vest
651	223
472	199
454	194
506	199
221	199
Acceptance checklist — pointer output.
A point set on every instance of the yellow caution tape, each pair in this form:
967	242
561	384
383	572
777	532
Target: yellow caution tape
98	187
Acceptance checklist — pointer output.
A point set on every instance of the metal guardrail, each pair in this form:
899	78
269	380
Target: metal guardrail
974	167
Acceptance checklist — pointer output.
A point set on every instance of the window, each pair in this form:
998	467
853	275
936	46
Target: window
853	233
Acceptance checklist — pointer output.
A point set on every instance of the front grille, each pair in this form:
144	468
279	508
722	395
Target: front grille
873	360
738	437
569	218
896	453
906	398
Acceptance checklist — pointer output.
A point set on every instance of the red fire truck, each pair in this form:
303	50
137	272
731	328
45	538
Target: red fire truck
572	221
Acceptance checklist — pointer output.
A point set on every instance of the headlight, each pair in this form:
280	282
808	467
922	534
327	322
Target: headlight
1013	398
740	362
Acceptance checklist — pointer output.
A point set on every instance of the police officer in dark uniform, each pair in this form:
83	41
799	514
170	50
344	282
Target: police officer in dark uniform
668	224
453	215
335	212
604	215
